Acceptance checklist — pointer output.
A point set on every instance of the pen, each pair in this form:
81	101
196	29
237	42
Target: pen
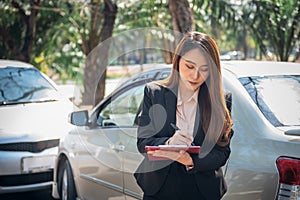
178	129
175	127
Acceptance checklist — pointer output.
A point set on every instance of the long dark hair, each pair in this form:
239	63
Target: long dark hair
211	92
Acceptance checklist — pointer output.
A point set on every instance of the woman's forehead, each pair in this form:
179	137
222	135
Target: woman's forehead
195	56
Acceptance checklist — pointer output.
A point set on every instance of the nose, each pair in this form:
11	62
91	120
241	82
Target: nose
195	74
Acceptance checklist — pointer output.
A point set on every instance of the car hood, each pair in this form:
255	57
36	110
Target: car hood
34	121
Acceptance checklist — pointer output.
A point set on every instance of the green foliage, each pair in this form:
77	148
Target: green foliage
275	24
217	18
61	27
269	25
141	14
146	13
56	44
62	53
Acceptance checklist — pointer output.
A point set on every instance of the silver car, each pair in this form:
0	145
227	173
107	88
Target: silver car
32	119
98	157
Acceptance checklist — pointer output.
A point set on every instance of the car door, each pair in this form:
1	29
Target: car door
105	143
131	156
99	164
118	119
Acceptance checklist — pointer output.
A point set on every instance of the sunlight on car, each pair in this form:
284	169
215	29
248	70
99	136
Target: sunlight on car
281	95
279	91
101	152
33	119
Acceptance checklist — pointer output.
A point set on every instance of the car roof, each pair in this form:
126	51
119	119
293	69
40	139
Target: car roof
14	63
238	68
157	72
260	68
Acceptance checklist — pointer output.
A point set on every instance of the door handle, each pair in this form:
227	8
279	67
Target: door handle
118	147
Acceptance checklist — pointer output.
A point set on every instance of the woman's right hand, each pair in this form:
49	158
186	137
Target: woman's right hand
180	138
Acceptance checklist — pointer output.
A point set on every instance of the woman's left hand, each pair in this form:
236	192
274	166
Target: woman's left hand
180	156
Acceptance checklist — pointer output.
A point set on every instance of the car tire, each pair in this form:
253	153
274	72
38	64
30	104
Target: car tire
67	185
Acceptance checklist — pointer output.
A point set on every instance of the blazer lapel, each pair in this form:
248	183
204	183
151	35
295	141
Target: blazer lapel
170	98
170	103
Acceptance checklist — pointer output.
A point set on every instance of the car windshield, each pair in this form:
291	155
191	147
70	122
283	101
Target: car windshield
24	85
278	97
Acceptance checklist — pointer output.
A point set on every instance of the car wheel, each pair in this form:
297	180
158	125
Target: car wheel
67	185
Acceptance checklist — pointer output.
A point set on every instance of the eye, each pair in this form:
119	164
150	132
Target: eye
189	66
204	69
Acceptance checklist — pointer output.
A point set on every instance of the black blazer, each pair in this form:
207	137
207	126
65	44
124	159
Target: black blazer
158	111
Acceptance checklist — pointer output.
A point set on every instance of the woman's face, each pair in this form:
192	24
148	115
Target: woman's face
193	69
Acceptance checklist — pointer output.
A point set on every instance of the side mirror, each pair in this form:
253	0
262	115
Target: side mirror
79	118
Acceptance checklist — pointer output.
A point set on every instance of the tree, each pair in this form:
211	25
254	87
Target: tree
95	24
37	32
276	24
219	18
22	26
147	14
182	17
109	12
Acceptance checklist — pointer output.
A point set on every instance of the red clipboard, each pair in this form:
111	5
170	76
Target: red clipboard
189	149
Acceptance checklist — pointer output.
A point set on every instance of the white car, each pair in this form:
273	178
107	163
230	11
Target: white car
33	117
233	55
97	159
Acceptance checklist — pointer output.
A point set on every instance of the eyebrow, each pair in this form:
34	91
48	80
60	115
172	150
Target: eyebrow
192	62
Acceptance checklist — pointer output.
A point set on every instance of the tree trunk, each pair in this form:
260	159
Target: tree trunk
182	18
97	59
24	52
110	13
168	48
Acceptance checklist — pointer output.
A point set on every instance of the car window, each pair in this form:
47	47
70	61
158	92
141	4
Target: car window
123	108
278	97
24	85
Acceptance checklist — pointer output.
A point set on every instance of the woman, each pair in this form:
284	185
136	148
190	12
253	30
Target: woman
192	99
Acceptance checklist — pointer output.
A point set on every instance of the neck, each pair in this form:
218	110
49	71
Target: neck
185	92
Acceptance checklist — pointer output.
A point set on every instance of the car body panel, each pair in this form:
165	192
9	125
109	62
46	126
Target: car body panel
84	148
250	171
30	132
256	144
17	126
260	68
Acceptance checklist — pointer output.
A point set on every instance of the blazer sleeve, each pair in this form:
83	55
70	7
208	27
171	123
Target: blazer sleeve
215	159
151	120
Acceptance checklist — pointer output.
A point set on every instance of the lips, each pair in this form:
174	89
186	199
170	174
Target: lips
193	83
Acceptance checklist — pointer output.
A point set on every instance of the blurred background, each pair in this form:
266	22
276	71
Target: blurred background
57	36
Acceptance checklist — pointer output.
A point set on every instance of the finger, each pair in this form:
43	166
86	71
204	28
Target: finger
181	138
165	155
186	135
185	141
168	154
178	140
181	152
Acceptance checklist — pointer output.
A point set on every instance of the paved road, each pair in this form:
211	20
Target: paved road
36	195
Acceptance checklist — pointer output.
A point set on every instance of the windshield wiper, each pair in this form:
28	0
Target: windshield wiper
44	100
7	102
